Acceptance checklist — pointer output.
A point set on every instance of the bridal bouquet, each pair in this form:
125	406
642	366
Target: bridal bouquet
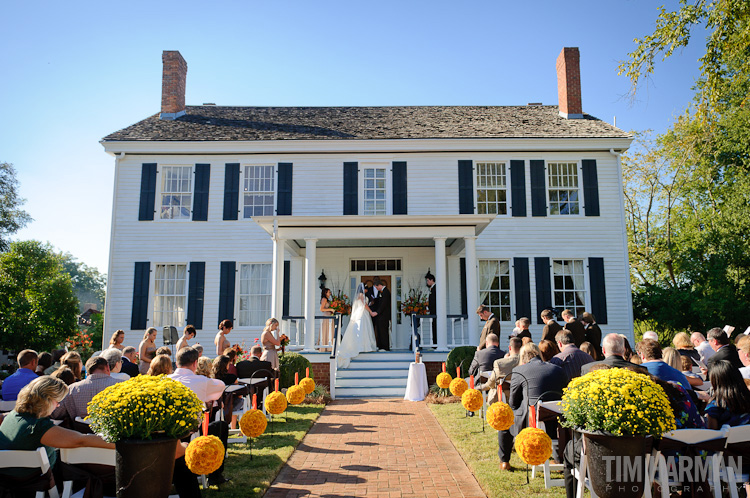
340	303
415	303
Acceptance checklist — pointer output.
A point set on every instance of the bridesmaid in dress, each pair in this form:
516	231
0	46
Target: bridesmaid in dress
146	350
220	341
326	326
117	339
270	343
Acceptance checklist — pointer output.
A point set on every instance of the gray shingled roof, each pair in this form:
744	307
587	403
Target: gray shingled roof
217	123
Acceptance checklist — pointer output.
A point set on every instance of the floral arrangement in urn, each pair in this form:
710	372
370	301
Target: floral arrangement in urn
619	402
145	407
340	303
415	303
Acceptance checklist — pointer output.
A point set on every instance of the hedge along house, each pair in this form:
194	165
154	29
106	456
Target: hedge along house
235	212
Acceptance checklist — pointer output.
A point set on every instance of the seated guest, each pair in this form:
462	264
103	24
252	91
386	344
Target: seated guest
207	390
29	427
743	351
613	348
593	334
43	363
232	360
205	365
571	358
188	334
529	380
485	358
628	354
650	352
719	342
548	350
501	368
73	361
198	348
165	350
589	349
687	371
114	359
56	355
674	359
27	361
246	368
575	327
129	361
160	365
65	374
683	346
702	346
651	335
219	370
76	403
730	403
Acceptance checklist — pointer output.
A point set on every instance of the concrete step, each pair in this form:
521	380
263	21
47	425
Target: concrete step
391	365
368	392
371	382
369	373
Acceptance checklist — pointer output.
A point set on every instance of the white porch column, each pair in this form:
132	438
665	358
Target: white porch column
441	278
277	279
471	287
310	295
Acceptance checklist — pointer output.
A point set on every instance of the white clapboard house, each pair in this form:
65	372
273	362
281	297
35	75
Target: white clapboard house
235	212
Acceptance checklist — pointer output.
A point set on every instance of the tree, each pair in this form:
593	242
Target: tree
12	217
89	286
37	306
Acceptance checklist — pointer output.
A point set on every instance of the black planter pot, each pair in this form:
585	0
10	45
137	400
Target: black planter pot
617	464
144	467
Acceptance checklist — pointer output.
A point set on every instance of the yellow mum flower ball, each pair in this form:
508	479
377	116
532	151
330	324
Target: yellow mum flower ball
472	400
253	423
275	403
295	395
534	446
444	380
204	455
458	386
307	384
500	416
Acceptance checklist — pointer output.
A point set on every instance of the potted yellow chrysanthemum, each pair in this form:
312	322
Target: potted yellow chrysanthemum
145	416
619	412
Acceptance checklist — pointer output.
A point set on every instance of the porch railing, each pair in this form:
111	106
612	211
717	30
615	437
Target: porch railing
294	328
421	337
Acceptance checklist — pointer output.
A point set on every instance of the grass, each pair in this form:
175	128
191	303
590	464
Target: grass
479	451
270	451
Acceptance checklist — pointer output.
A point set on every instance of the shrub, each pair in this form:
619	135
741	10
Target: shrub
460	356
289	363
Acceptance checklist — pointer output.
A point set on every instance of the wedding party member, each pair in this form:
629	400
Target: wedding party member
719	341
117	339
683	345
576	327
147	350
382	315
572	358
523	328
220	341
484	359
29	426
491	325
188	334
160	365
27	361
702	346
593	332
129	361
551	327
326	326
501	369
613	347
76	403
432	304
359	336
270	343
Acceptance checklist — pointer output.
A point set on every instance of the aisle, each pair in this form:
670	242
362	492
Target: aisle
375	448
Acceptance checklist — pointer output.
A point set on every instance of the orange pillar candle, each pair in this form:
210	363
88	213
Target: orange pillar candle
458	372
443	367
296	378
277	385
255	401
307	372
471	382
205	423
416	357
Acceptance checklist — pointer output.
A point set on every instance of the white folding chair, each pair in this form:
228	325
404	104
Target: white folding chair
6	406
30	459
547	467
77	456
738	443
235	435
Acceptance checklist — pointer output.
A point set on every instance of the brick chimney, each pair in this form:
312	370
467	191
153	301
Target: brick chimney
569	83
174	74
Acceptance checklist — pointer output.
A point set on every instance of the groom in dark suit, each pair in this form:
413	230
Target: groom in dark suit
382	314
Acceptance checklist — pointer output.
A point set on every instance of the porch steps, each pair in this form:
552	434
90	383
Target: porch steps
377	374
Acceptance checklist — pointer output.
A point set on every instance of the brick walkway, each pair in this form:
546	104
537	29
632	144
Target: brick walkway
375	448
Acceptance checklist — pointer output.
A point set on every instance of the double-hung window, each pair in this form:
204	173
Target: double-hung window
170	295
258	190
254	294
563	188
374	191
492	192
176	192
569	285
494	287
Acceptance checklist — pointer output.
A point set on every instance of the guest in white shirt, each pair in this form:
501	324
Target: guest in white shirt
743	350
114	359
702	346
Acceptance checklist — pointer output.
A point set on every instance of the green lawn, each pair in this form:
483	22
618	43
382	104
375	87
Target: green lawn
270	451
479	451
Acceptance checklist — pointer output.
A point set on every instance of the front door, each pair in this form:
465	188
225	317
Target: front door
400	333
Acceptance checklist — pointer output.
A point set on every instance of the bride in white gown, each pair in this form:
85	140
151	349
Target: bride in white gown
359	336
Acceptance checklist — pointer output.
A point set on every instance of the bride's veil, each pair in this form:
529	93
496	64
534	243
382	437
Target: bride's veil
360	290
359	300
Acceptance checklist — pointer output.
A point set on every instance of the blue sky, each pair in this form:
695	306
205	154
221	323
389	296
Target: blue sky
76	71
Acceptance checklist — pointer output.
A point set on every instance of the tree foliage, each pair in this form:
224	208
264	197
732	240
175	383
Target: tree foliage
12	217
89	286
37	306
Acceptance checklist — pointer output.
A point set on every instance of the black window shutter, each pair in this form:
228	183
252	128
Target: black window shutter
287	279
518	187
139	312
399	187
464	301
148	192
226	290
543	286
465	187
522	288
196	285
351	202
538	188
598	290
231	191
284	201
590	189
200	197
